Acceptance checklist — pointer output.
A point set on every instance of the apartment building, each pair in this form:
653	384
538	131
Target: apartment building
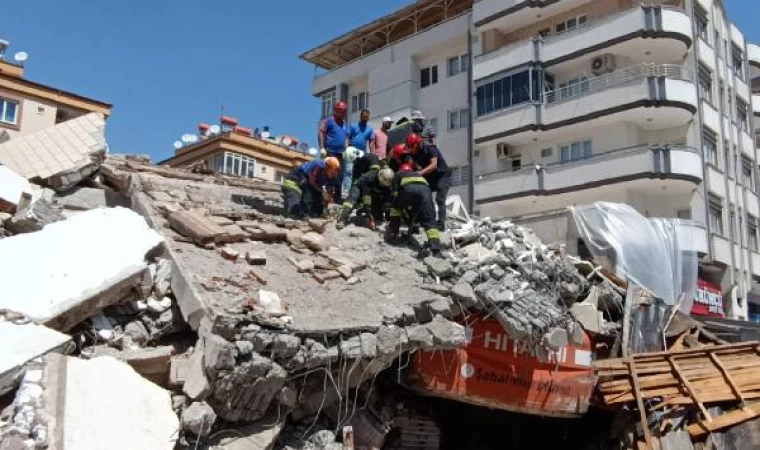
641	102
415	58
644	102
27	106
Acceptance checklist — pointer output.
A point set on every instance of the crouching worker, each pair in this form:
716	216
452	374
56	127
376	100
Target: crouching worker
304	189
365	163
372	190
413	199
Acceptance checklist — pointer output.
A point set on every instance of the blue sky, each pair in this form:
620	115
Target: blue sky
168	65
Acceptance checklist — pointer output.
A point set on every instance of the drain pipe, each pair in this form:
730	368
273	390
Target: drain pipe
470	127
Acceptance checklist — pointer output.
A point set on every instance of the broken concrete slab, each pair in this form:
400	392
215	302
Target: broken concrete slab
271	233
21	343
75	284
150	362
103	400
314	241
233	233
33	217
12	186
260	436
196	227
85	198
198	418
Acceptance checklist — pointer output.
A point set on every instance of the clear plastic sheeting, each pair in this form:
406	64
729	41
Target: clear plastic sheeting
657	254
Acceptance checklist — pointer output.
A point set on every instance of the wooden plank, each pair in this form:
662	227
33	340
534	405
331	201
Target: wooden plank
643	357
640	404
729	380
699	429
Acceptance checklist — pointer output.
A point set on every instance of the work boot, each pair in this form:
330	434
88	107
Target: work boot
435	247
391	233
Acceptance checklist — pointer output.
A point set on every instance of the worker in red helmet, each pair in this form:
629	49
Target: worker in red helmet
333	141
398	156
306	187
431	164
412	201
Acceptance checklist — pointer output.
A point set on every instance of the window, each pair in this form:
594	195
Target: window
507	91
546	153
279	177
328	102
701	20
737	62
457	65
460	176
359	101
235	164
571	24
715	212
741	115
710	147
748	174
705	84
575	151
429	76
544	32
684	214
8	111
752	235
263	169
458	119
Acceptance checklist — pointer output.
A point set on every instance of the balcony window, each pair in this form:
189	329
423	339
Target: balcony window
737	59
752	234
741	115
328	102
506	91
571	24
235	164
359	101
710	147
8	111
715	211
460	176
575	151
705	84
457	65
748	174
429	76
701	22
458	119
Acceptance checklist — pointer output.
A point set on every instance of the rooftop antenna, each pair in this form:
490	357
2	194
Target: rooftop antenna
3	47
177	145
21	57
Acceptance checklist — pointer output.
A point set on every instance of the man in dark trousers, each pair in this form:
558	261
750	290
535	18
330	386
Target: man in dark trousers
430	163
372	191
412	199
303	189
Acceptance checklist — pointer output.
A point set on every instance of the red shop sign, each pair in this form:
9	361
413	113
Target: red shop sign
709	300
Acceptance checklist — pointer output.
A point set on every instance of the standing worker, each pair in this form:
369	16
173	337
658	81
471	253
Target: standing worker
304	189
413	200
372	190
333	140
431	164
362	137
381	138
418	122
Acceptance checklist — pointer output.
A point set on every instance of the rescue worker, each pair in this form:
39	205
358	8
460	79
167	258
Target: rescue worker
372	189
398	156
304	188
431	164
365	163
333	140
412	199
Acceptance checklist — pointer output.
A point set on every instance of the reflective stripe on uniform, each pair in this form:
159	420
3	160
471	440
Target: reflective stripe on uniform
433	233
367	200
374	167
395	212
409	180
348	205
290	184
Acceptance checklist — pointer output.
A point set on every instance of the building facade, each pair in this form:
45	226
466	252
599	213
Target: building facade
648	103
27	106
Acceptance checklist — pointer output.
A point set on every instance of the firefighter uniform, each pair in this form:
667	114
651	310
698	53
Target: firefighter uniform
362	165
413	200
303	188
370	193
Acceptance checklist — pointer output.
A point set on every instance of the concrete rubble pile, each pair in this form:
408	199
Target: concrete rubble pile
282	330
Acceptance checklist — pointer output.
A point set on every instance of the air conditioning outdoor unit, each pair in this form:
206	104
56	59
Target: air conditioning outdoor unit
504	151
603	64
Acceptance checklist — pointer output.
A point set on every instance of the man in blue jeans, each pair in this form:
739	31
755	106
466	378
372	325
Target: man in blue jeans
333	140
362	137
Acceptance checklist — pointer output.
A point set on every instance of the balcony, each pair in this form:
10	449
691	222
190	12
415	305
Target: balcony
753	54
487	14
652	96
692	235
625	33
617	166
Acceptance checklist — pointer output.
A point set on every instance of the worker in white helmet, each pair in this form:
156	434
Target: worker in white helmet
372	189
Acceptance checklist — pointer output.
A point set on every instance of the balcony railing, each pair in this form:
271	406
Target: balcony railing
617	78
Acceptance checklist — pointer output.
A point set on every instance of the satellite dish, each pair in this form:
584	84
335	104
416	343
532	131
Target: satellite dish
265	134
286	141
313	151
21	56
215	129
189	138
177	145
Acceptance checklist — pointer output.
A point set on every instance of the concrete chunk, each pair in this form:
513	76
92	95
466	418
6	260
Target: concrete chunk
77	284
314	241
256	257
196	227
198	419
271	232
12	185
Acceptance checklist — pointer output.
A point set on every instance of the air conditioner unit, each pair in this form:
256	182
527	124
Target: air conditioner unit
603	64
504	151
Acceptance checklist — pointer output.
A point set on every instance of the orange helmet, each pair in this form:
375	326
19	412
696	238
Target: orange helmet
406	167
399	152
332	163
